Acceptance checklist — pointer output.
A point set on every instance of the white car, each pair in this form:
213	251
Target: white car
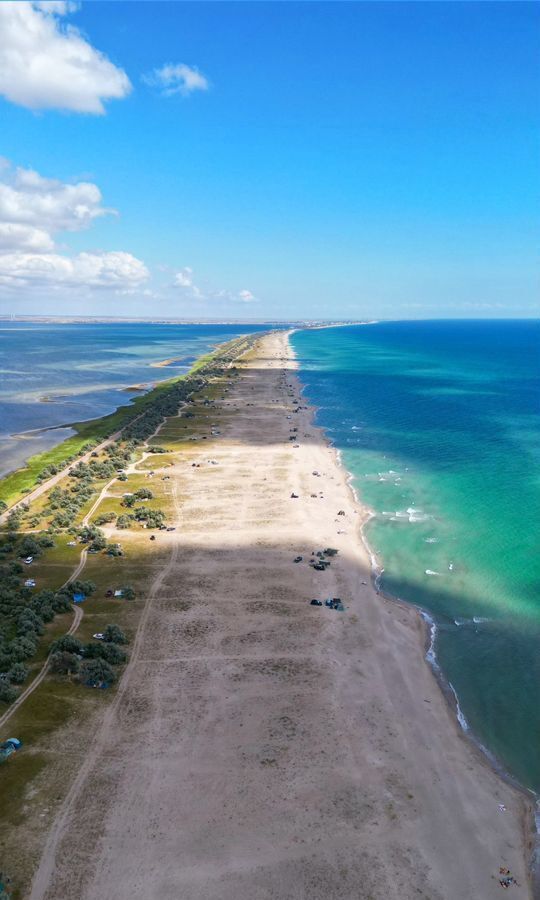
28	560
99	636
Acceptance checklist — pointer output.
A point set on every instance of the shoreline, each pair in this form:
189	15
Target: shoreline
428	632
95	429
273	743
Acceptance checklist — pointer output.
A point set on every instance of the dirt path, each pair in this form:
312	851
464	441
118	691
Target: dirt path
77	610
77	618
54	479
43	875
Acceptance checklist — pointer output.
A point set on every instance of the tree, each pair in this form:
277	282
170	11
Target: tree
143	494
123	521
17	674
82	587
127	592
29	547
103	518
90	533
67	643
99	542
7	693
61	602
64	663
101	650
113	634
14	520
24	647
96	672
28	620
114	550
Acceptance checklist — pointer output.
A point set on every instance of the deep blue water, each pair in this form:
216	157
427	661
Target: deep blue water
84	370
439	423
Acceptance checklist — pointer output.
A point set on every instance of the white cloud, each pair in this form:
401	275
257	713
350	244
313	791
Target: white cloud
45	64
246	297
29	199
33	210
24	237
94	270
177	79
183	280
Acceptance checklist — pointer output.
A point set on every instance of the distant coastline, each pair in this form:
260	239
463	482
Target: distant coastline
104	320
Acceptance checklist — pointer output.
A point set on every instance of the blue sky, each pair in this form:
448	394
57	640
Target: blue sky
342	160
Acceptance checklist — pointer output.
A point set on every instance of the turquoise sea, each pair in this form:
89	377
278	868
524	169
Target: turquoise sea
52	374
439	425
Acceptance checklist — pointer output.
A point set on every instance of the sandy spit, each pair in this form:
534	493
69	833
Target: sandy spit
260	748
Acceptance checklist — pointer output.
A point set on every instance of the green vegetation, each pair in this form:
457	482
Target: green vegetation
24	613
138	420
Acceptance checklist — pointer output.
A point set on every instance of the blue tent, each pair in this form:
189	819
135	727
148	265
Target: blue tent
78	598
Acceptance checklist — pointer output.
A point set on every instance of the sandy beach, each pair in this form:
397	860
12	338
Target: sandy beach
258	747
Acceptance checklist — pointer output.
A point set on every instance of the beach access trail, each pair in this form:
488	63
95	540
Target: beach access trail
258	747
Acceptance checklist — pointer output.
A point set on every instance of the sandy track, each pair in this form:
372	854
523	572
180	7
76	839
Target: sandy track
259	747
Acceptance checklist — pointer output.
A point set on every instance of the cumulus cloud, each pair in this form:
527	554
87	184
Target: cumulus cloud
46	64
33	209
24	237
176	79
115	269
28	199
183	280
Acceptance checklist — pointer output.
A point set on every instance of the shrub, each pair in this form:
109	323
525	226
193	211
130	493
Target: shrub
114	550
113	634
123	521
7	693
143	494
61	602
103	518
29	547
23	647
101	650
63	663
95	672
28	621
17	674
67	643
81	587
